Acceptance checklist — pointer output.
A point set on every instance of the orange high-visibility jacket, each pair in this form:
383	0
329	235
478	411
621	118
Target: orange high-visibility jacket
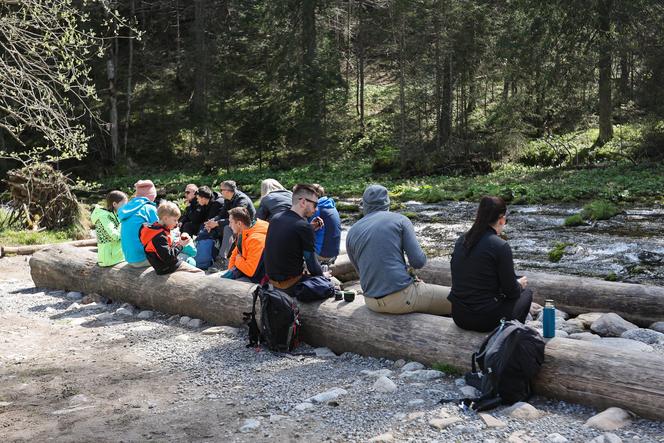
249	249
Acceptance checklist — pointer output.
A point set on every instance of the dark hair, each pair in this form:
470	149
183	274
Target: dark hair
490	210
240	214
204	192
303	191
114	197
229	184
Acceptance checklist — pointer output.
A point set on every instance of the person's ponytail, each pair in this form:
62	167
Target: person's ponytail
488	213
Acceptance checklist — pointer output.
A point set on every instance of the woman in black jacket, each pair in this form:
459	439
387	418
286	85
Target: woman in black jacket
485	288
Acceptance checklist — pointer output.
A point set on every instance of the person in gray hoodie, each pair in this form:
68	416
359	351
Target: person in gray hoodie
376	245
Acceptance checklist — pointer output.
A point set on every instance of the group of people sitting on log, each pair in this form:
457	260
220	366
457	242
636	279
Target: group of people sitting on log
292	233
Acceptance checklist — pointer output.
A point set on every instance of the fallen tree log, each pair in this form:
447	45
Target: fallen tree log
31	249
640	304
574	370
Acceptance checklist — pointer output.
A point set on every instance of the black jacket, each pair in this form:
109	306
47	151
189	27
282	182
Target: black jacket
193	217
274	203
239	199
485	276
161	254
215	208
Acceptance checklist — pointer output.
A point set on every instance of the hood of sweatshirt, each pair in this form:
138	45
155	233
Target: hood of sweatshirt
326	202
99	213
374	199
132	207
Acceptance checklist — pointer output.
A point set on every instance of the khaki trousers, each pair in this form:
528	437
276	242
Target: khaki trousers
418	297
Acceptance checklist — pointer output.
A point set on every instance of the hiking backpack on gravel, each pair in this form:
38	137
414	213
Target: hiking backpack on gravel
279	325
508	359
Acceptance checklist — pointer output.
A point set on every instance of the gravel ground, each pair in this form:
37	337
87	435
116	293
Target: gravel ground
228	392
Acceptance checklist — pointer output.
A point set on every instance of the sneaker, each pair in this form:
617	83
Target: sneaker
212	270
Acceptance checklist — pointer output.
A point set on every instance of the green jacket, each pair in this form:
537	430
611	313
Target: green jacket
107	226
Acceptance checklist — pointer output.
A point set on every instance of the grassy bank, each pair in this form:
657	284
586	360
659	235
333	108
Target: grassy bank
623	183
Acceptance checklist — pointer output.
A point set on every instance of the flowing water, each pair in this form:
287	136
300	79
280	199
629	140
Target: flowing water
628	247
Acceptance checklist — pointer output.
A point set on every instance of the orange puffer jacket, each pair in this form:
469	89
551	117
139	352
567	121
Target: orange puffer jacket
248	250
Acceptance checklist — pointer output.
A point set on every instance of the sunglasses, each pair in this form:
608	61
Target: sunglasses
188	192
315	203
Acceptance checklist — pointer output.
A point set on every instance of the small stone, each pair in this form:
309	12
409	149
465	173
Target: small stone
515	437
460	382
184	320
555	438
611	325
535	309
87	300
324	352
412	366
610	419
589	318
491	421
250	424
104	316
469	392
330	394
304	406
422	375
377	374
657	326
416	402
384	384
182	337
607	437
625	344
647	336
49	310
123	312
523	411
534	324
173	318
74	295
78	399
4	404
276	418
195	323
226	330
399	363
416	416
382	438
561	334
145	315
73	307
585	336
442	423
560	316
572	326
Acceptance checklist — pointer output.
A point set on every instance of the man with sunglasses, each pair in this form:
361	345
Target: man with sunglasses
194	214
290	242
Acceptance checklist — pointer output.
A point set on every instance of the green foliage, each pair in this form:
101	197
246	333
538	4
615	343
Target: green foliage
599	210
17	237
448	369
611	276
575	220
558	251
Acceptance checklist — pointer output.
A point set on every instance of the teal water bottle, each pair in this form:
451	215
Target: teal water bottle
549	320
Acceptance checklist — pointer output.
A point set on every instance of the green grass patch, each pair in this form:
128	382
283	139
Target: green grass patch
17	237
575	220
447	369
611	276
600	210
558	251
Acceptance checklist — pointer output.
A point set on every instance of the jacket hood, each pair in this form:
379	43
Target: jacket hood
374	199
259	227
98	213
132	207
326	202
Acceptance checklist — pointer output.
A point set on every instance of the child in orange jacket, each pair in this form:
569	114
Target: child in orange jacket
246	262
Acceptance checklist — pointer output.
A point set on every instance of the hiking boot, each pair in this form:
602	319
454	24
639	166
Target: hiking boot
212	270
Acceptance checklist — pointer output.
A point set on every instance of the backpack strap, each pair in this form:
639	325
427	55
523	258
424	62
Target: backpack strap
250	318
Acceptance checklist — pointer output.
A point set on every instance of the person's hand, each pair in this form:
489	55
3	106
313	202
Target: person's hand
317	223
185	239
523	281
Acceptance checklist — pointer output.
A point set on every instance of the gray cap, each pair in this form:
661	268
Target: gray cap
375	198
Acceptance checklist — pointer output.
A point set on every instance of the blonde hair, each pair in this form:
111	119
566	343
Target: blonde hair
270	185
168	209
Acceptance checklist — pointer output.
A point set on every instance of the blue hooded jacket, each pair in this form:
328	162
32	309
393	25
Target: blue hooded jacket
328	238
133	215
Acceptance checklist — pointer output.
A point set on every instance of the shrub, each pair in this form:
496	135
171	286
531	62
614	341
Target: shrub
599	210
558	251
575	220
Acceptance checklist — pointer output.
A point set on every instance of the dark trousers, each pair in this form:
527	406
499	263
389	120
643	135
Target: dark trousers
487	320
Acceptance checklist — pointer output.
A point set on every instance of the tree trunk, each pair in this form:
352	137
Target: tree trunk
360	65
199	101
640	304
573	370
113	98
445	122
31	249
605	59
130	64
312	95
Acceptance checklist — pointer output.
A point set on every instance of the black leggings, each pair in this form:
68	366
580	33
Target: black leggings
486	321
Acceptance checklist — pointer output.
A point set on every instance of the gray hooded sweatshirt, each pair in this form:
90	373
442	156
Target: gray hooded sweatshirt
376	245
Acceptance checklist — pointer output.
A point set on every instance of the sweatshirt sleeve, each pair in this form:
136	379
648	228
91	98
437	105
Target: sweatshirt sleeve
508	284
262	211
248	262
416	257
109	227
152	214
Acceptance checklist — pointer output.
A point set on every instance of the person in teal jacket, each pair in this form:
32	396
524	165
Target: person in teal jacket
107	227
138	211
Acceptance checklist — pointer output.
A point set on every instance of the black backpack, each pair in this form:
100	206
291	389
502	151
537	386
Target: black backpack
279	326
508	359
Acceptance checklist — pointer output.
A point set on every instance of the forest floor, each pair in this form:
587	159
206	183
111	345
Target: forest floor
76	372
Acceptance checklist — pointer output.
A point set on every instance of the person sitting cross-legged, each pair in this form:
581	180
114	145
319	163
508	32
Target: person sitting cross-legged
376	245
246	262
194	214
